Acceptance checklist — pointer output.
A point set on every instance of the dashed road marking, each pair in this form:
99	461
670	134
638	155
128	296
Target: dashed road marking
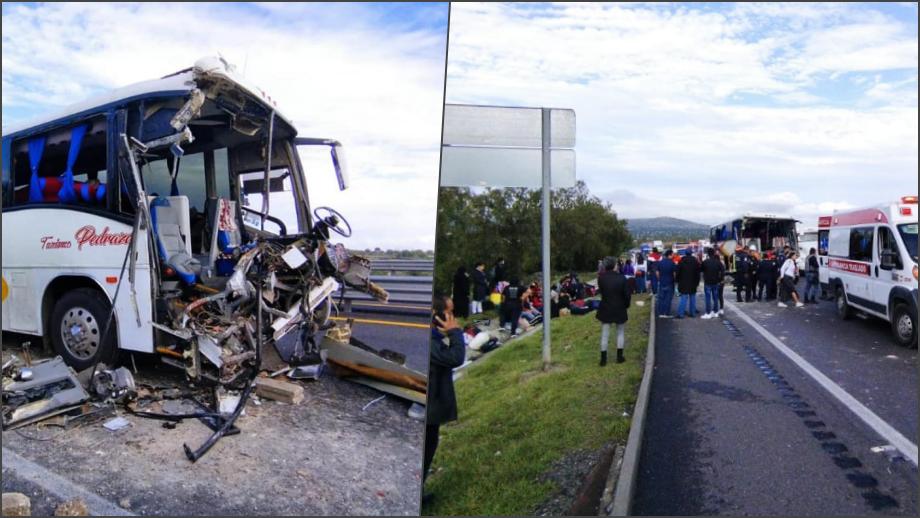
880	426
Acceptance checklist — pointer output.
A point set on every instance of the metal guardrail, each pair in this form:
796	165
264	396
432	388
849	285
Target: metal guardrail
409	294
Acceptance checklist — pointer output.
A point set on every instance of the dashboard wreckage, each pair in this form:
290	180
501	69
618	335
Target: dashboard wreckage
228	275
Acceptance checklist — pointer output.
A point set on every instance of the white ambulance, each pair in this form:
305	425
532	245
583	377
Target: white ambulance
207	158
872	264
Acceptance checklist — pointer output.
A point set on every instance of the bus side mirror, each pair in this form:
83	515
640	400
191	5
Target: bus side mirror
341	167
889	259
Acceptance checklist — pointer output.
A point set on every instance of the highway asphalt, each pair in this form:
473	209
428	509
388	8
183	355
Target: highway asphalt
736	427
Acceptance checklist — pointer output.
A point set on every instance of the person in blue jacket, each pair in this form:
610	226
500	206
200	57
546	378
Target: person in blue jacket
665	273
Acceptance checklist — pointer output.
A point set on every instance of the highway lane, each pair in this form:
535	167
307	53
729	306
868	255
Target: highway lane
735	427
405	334
859	354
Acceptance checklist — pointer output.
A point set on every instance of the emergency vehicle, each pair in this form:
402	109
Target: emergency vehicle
872	264
808	239
203	154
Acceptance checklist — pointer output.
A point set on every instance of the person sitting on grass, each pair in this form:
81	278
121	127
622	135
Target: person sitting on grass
615	298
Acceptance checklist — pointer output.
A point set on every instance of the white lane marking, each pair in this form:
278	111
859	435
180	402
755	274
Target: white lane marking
59	486
894	437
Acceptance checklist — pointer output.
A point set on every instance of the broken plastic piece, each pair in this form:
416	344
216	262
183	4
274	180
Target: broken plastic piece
113	425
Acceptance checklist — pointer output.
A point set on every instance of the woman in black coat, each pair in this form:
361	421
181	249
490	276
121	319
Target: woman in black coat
461	293
614	303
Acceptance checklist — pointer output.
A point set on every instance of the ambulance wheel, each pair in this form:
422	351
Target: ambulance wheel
77	322
843	309
904	325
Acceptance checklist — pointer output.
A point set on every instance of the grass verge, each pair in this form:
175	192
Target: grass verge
516	420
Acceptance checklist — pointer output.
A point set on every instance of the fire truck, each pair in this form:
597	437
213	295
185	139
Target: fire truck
871	264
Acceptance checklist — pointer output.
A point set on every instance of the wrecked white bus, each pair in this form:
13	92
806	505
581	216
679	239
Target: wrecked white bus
159	218
762	231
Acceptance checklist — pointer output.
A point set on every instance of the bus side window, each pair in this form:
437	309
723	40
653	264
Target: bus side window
861	244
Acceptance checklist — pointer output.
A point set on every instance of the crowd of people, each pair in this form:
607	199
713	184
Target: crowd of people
771	276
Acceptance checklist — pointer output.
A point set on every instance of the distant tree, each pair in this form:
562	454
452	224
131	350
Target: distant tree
506	223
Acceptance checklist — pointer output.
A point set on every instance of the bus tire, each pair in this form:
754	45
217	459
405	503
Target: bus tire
904	325
77	322
843	309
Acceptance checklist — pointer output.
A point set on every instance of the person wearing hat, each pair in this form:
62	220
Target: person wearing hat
688	280
615	299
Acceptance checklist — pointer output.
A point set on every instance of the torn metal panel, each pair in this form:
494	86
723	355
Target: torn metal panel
53	387
372	365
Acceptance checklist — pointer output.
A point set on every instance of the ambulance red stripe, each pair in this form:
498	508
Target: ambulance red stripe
849	266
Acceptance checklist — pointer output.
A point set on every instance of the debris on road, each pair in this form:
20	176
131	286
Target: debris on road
115	424
278	390
16	504
52	389
76	507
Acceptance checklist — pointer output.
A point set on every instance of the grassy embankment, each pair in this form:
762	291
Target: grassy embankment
516	420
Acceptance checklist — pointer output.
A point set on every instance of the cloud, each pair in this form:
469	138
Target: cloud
369	75
707	110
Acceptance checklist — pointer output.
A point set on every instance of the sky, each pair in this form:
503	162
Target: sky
705	111
369	75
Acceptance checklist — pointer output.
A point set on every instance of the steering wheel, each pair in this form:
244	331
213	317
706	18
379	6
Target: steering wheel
333	220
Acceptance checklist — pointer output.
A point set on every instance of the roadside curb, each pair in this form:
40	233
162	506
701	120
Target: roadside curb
622	476
59	486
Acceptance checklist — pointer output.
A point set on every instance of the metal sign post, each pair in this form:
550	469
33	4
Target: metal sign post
497	146
547	204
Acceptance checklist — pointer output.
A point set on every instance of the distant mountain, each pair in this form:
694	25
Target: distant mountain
666	229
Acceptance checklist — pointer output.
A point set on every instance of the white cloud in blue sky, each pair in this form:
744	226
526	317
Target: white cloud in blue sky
702	111
370	75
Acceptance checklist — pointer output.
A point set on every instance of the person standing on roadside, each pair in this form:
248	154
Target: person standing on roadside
751	288
688	281
641	271
787	282
480	288
499	273
721	285
766	275
812	283
447	352
665	273
742	272
461	292
712	277
653	259
615	298
512	305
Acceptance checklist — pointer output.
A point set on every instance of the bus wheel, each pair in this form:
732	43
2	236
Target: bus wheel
904	325
843	309
77	322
